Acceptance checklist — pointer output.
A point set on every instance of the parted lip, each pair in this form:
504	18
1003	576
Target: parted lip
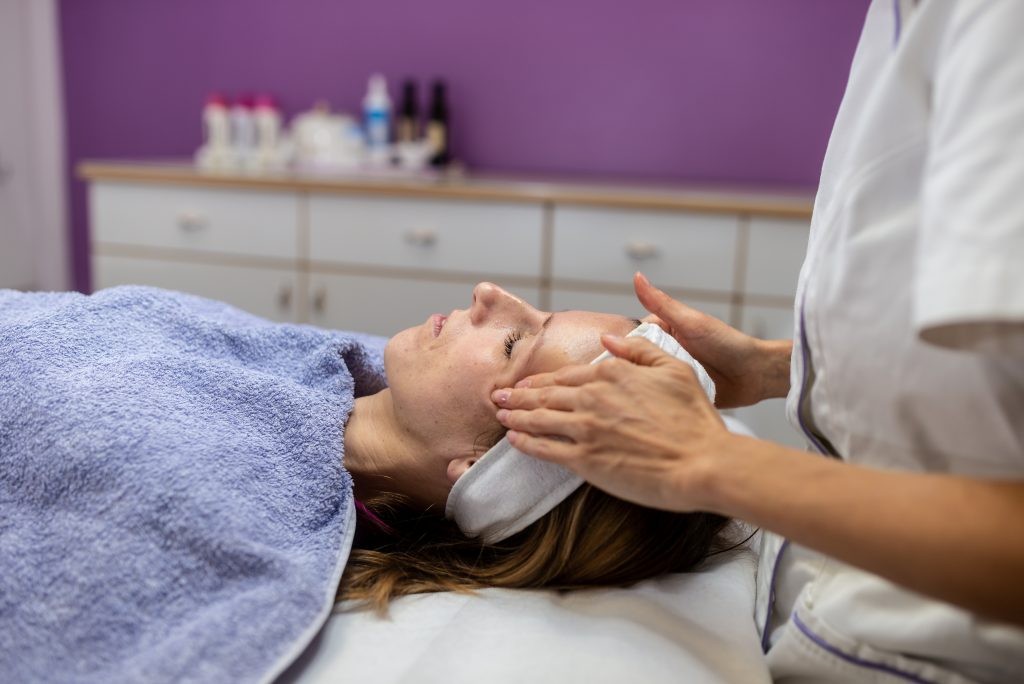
438	320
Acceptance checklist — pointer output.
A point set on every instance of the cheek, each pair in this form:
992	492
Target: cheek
467	384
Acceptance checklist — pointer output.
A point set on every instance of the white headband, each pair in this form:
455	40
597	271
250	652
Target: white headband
506	490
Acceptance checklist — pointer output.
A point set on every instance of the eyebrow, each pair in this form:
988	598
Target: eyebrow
540	340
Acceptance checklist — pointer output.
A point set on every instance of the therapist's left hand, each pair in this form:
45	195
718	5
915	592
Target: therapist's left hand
639	427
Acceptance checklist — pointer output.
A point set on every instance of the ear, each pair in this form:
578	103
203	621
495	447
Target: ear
458	466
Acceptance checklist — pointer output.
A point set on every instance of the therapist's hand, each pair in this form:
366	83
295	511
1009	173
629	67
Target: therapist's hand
746	370
639	427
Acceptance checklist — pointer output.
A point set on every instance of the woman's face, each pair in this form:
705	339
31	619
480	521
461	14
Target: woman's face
442	373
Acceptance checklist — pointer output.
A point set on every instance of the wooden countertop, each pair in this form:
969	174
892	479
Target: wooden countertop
487	187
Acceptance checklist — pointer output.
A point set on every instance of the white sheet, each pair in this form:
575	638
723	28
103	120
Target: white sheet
695	627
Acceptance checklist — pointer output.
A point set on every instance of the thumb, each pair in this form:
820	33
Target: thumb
636	350
659	304
683	322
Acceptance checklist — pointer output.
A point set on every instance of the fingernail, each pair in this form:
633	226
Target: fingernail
523	383
502	415
500	396
512	436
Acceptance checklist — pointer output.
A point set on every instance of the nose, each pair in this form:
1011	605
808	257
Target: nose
490	300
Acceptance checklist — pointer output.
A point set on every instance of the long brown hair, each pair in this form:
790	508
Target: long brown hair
590	539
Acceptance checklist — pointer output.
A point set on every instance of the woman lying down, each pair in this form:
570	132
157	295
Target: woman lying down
181	483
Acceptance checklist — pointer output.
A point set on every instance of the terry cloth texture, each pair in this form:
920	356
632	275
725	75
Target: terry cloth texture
173	505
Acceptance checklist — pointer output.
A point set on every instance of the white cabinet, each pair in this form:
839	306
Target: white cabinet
775	252
674	249
195	219
271	293
490	239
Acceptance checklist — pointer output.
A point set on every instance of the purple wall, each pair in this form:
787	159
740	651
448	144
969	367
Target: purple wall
701	90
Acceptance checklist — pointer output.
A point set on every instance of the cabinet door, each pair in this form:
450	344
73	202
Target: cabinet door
674	249
384	306
774	256
768	419
626	305
270	293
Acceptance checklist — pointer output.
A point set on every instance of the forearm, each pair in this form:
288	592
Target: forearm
774	367
950	537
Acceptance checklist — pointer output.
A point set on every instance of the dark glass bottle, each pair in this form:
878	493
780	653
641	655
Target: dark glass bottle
409	114
439	126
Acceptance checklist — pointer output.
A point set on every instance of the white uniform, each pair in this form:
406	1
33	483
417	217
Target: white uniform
909	346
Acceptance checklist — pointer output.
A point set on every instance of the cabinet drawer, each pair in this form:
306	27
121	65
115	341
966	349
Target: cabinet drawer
768	322
266	292
774	256
226	221
627	305
674	249
468	237
384	306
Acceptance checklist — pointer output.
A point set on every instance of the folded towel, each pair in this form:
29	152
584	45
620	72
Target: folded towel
173	505
506	490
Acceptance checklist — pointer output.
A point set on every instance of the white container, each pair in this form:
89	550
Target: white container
243	132
267	122
215	152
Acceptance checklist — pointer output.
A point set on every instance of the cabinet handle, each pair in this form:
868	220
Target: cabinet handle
284	297
320	299
421	237
191	221
641	250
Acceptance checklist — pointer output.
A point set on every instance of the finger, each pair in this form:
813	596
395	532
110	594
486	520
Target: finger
544	448
638	350
552	397
656	320
541	422
569	376
668	310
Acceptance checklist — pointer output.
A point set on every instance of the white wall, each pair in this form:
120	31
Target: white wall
33	207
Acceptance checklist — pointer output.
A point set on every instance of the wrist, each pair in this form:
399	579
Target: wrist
773	368
716	471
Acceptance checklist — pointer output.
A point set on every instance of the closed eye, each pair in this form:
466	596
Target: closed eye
510	342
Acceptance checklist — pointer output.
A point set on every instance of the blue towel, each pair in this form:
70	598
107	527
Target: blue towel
173	505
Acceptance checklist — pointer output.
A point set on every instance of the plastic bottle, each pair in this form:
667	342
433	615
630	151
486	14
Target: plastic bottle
215	151
267	122
243	131
377	113
215	121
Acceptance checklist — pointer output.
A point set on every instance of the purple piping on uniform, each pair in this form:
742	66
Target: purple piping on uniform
806	356
860	662
899	21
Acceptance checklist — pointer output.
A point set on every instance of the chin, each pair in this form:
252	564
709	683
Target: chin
398	349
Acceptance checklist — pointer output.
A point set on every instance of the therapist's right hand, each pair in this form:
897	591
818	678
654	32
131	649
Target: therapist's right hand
746	370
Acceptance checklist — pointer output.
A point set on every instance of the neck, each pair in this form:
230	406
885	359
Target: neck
380	455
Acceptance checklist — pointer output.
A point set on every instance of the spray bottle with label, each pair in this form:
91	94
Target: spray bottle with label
377	113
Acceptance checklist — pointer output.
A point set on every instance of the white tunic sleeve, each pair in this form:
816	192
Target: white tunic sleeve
969	270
